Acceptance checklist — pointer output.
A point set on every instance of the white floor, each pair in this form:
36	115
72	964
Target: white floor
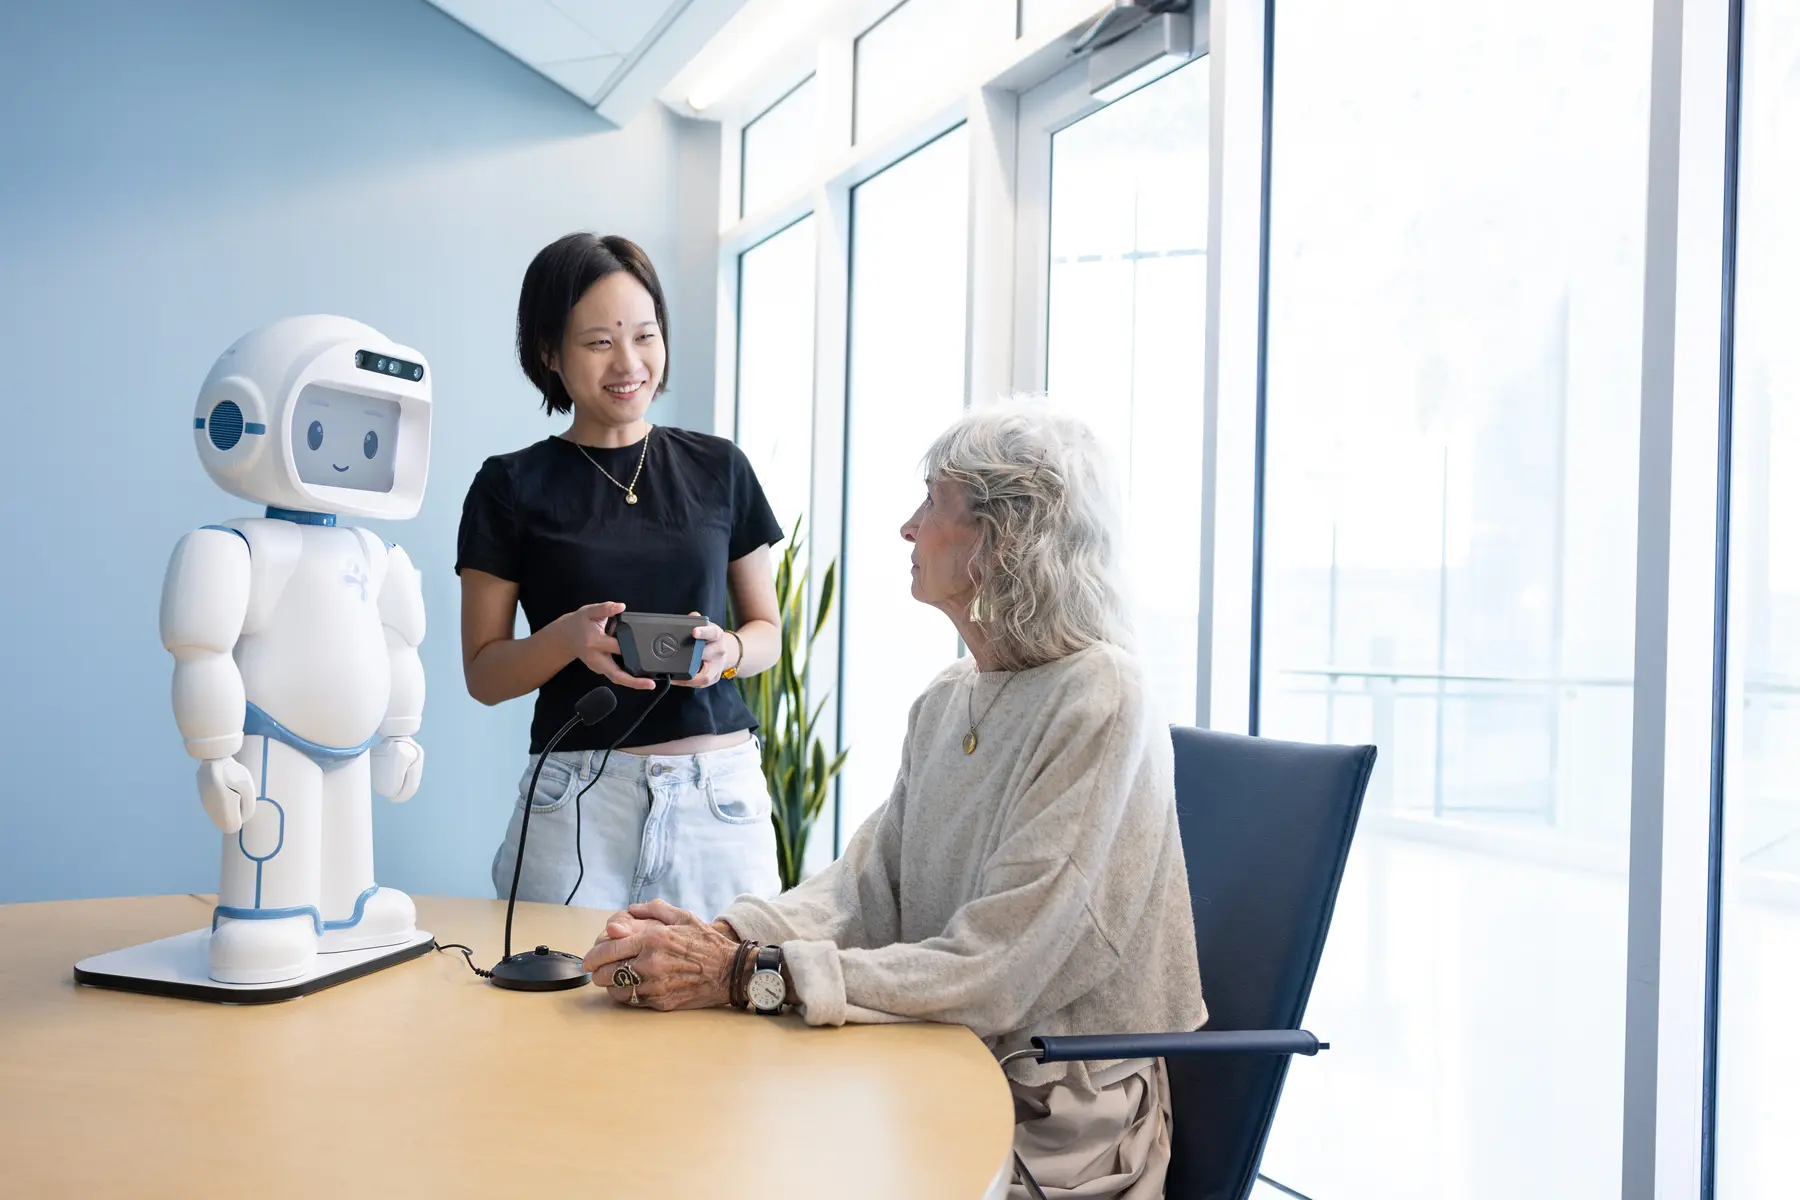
1473	994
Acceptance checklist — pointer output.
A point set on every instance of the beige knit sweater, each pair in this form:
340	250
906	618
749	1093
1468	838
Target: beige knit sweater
1034	887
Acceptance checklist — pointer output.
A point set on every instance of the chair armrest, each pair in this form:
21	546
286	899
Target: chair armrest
1177	1045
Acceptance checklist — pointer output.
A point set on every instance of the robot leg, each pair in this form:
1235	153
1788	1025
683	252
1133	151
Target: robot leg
266	928
357	913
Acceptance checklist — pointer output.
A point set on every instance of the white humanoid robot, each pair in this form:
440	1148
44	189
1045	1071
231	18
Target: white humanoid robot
297	677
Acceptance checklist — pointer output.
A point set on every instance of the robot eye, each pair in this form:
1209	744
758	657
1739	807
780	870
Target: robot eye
371	444
315	435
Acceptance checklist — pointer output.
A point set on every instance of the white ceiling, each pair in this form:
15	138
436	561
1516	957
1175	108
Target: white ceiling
614	55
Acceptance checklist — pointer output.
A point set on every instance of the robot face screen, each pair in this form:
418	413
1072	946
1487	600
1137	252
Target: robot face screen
341	439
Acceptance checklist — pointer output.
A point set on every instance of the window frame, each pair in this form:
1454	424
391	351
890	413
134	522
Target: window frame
743	138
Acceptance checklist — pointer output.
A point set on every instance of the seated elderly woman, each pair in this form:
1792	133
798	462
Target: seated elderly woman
1026	875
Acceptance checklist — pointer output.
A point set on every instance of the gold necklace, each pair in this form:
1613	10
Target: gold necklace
970	741
630	489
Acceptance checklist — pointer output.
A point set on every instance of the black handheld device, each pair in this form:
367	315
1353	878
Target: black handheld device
658	645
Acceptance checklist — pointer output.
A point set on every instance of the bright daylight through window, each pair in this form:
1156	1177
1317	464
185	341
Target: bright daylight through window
908	310
1759	1060
1455	290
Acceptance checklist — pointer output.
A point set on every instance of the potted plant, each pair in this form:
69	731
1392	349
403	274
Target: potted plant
793	757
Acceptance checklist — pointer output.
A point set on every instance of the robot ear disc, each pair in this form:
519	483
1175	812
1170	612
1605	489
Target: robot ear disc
225	427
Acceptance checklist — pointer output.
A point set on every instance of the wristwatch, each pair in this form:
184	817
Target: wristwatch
767	989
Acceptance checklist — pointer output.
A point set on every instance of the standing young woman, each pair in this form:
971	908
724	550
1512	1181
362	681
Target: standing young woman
614	515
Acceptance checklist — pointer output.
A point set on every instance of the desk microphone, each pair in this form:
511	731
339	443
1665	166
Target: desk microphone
544	969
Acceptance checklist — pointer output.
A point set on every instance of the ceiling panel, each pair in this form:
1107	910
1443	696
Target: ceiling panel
613	54
619	25
586	77
533	31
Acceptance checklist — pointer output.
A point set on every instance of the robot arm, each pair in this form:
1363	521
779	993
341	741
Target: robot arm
402	605
206	595
398	761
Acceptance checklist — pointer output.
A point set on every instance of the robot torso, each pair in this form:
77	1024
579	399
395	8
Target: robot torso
313	653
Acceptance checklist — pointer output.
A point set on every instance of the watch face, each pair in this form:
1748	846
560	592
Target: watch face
767	990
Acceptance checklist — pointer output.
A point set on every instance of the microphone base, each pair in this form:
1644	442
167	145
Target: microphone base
540	970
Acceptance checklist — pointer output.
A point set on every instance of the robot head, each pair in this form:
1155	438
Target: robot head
318	414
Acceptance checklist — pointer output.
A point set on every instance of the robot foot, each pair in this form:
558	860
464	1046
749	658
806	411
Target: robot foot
262	951
388	919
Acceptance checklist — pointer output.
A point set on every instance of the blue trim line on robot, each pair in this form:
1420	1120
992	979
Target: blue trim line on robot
356	911
301	518
320	925
263	797
199	422
258	723
229	529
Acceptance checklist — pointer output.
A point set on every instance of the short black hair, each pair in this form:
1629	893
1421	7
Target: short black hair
560	276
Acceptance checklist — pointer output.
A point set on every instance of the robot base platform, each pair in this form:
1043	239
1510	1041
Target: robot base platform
176	966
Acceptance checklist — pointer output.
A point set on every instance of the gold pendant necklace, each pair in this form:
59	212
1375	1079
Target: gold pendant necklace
970	740
630	489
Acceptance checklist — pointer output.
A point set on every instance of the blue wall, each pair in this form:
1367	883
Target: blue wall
171	176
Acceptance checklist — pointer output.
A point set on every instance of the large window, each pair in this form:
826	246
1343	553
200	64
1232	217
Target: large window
775	366
1759	1059
1127	310
1493	252
908	320
1494	245
1456	274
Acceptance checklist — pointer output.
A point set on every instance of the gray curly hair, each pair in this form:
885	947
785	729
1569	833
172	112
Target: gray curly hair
1040	492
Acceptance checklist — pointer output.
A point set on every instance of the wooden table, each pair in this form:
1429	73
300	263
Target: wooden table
424	1080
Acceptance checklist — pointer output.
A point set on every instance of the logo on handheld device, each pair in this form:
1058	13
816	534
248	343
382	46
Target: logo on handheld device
657	645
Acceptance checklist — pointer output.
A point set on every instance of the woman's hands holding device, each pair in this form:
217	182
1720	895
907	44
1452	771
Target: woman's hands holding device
584	636
723	650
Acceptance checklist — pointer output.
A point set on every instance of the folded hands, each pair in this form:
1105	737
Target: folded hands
679	960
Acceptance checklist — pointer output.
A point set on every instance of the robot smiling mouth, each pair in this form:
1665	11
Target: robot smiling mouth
335	467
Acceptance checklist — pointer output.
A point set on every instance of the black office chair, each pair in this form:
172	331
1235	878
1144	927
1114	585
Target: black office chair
1265	827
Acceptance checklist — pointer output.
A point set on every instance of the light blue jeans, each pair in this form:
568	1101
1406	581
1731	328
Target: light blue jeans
693	829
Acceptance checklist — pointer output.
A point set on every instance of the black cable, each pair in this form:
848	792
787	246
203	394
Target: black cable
469	954
581	873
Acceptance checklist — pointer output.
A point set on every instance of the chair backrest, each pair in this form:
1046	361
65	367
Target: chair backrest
1265	827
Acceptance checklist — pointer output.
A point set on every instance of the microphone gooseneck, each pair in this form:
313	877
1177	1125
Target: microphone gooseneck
544	969
580	863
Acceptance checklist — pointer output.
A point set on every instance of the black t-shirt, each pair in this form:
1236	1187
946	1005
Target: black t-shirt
547	519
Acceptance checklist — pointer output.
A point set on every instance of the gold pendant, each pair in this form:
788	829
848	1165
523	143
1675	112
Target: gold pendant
631	497
969	742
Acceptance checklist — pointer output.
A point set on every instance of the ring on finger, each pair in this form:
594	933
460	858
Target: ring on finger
625	975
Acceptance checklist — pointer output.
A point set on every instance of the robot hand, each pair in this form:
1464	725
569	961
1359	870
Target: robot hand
395	765
227	791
